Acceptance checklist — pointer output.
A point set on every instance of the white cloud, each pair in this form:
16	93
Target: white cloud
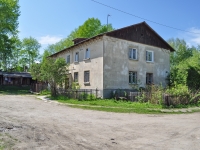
45	40
195	36
192	37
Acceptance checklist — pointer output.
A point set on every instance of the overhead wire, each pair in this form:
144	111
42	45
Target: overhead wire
143	18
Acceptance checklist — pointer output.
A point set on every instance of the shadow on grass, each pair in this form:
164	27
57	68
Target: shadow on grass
14	90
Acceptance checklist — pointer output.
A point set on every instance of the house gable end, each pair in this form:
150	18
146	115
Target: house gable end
141	33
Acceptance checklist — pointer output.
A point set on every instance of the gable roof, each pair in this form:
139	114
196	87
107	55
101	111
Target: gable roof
140	33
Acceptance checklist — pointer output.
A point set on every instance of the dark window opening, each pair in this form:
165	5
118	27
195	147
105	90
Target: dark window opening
86	76
149	78
75	76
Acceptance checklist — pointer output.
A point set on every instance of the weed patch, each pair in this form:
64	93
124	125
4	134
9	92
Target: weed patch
14	90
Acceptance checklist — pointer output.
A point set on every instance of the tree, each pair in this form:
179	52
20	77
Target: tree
182	51
185	64
30	51
9	13
90	28
54	71
15	56
6	51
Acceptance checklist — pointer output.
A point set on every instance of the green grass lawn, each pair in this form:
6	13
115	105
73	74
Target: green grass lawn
14	90
111	105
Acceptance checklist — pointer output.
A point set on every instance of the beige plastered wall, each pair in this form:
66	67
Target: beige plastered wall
94	64
117	63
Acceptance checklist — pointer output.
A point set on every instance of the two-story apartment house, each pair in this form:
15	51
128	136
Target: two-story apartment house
119	59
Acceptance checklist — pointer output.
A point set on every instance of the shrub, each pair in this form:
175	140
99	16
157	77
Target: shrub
178	90
45	92
155	93
85	96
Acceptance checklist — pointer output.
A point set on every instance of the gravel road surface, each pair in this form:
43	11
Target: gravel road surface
29	123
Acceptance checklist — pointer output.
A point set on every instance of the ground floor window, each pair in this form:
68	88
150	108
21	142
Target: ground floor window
86	76
75	76
132	77
149	78
66	83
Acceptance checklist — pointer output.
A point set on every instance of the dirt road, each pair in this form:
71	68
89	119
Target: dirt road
29	123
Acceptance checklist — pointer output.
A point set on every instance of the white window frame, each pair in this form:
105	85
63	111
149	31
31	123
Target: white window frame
148	51
68	59
131	52
132	79
76	57
87	53
85	80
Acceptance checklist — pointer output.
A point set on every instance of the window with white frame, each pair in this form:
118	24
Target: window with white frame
132	77
76	57
86	76
133	53
68	59
87	54
149	56
75	76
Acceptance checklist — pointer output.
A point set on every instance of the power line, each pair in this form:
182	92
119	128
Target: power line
143	18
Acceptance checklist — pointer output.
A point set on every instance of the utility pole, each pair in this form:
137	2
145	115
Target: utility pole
107	21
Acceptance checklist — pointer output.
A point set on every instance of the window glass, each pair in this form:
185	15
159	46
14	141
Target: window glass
149	56
132	77
77	57
149	78
87	54
133	54
86	76
68	59
75	76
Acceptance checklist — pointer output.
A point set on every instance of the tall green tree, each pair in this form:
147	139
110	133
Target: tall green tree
182	52
14	59
54	71
92	27
185	64
9	13
30	51
88	29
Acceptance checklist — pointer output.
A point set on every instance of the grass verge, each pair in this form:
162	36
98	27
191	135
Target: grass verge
14	90
110	105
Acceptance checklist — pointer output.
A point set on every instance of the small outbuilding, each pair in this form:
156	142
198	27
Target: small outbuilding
15	78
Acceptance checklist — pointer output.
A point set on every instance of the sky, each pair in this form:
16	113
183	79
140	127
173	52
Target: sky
49	21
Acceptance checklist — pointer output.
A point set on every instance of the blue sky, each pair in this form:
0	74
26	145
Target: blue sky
51	20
